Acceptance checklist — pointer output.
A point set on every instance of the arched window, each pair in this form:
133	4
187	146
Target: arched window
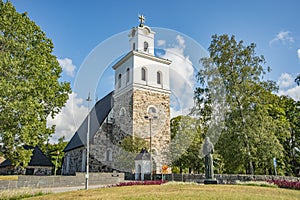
144	74
133	46
119	80
146	46
122	112
159	77
152	110
108	155
127	75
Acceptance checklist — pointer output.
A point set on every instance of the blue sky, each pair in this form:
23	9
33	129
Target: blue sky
77	27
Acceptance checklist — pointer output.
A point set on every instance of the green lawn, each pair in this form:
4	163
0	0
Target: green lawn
185	191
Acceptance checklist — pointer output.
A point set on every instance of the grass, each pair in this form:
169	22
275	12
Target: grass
20	193
179	191
257	183
12	178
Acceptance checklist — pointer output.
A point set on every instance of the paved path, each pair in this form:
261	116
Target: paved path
66	189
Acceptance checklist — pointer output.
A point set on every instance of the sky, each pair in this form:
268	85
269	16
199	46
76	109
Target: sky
88	36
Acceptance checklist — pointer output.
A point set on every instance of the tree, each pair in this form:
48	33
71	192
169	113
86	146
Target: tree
29	87
231	86
187	139
288	111
55	153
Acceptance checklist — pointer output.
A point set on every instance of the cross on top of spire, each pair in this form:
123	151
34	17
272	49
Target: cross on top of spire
142	20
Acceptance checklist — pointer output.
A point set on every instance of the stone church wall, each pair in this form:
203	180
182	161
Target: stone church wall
129	111
73	161
160	127
123	113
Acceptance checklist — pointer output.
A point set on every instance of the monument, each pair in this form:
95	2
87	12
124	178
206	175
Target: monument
208	150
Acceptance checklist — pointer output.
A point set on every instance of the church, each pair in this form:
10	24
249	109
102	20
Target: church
139	107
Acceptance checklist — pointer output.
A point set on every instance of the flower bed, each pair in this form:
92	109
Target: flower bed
131	183
286	184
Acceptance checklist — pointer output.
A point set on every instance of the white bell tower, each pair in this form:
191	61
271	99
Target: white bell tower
142	95
140	68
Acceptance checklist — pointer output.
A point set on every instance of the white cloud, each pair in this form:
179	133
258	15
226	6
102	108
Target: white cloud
182	78
298	53
285	80
288	87
69	119
67	66
284	37
181	41
161	42
292	92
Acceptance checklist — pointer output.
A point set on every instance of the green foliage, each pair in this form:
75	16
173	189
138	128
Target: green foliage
187	139
134	144
288	114
29	86
55	153
235	101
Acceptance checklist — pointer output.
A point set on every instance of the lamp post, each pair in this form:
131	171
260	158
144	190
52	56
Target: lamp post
150	118
87	144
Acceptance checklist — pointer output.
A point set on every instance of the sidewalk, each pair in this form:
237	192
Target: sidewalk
66	189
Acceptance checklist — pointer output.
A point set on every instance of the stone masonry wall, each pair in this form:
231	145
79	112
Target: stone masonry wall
160	128
103	150
75	161
62	181
226	178
123	113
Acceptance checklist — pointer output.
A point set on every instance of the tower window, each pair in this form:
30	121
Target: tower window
152	110
144	74
159	77
127	75
146	46
133	46
122	112
119	80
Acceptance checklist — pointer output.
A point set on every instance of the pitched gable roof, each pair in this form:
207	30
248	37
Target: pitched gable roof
143	155
97	116
38	158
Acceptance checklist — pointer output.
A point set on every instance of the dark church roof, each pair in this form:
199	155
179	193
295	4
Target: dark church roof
143	155
97	115
38	158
